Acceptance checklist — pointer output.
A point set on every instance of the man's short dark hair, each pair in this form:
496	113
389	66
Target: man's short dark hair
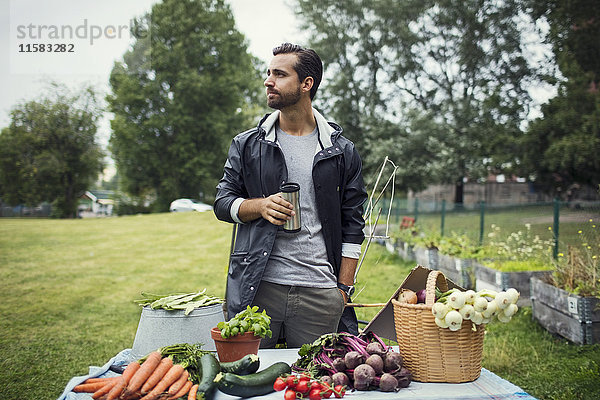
309	63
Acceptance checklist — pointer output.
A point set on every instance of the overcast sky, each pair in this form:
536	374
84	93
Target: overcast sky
98	30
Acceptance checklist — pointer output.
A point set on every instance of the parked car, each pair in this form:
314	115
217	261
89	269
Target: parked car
189	205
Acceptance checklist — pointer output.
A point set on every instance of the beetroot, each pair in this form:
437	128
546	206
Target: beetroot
339	364
326	379
375	348
388	383
403	376
340	378
392	362
363	376
376	362
353	359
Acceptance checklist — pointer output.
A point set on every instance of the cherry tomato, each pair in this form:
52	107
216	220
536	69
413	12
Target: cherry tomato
289	395
302	387
326	391
279	384
304	377
315	385
315	394
291	381
339	391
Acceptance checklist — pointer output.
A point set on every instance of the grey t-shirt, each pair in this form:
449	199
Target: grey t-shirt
300	258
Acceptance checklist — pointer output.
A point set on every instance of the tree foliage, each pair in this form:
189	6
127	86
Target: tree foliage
180	94
49	151
439	86
560	149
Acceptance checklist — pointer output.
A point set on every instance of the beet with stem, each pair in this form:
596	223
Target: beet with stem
353	359
364	374
340	378
376	362
392	361
388	383
339	364
375	348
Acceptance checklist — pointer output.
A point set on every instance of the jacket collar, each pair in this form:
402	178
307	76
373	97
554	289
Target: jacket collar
326	130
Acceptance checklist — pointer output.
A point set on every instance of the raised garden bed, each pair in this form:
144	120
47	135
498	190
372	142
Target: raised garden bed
459	270
489	278
405	250
573	317
427	257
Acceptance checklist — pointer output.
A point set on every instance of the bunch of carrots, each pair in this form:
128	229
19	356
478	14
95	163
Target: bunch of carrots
154	378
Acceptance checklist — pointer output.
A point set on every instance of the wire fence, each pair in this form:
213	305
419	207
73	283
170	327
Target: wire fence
42	210
565	223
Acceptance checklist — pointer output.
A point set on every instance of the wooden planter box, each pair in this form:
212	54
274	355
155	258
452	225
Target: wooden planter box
428	258
573	317
489	278
405	250
390	246
458	270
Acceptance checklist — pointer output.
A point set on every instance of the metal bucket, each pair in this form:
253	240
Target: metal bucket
158	328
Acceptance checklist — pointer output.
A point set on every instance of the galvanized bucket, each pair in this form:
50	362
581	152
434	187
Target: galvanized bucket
158	328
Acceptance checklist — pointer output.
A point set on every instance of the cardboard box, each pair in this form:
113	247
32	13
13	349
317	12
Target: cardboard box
383	324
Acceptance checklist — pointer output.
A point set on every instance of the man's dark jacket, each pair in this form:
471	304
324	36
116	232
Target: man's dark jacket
256	167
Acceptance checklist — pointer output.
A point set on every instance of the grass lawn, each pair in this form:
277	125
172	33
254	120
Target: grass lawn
68	287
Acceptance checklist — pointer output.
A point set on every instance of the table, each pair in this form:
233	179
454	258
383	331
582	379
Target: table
488	386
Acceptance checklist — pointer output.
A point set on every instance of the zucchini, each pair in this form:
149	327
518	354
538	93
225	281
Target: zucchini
256	384
210	369
246	365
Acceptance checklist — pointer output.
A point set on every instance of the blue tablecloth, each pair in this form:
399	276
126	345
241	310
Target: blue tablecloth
488	386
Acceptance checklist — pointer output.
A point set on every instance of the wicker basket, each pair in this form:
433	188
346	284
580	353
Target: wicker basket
431	353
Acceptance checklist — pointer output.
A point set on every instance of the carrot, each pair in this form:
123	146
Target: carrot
183	391
192	392
104	390
179	383
116	391
143	373
122	381
130	371
89	387
105	380
174	373
160	371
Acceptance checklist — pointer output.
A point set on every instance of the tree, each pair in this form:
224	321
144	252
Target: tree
49	151
444	79
560	149
179	96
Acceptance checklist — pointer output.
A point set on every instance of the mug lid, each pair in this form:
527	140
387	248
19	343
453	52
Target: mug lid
289	187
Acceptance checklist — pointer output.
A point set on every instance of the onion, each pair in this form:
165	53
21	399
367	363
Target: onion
421	295
407	296
513	295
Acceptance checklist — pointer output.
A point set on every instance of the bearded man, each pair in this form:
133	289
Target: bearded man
303	279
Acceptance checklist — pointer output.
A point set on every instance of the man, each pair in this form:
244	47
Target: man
303	279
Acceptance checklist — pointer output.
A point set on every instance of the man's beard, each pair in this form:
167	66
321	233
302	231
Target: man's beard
284	99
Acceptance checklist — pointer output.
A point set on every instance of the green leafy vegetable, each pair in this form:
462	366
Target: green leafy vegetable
187	355
248	320
178	301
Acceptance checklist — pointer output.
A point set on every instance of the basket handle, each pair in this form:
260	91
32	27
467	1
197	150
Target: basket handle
434	279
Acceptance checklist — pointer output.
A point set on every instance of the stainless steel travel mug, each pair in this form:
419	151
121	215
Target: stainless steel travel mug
291	192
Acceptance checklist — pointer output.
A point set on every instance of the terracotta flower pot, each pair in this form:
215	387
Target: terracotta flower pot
235	347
